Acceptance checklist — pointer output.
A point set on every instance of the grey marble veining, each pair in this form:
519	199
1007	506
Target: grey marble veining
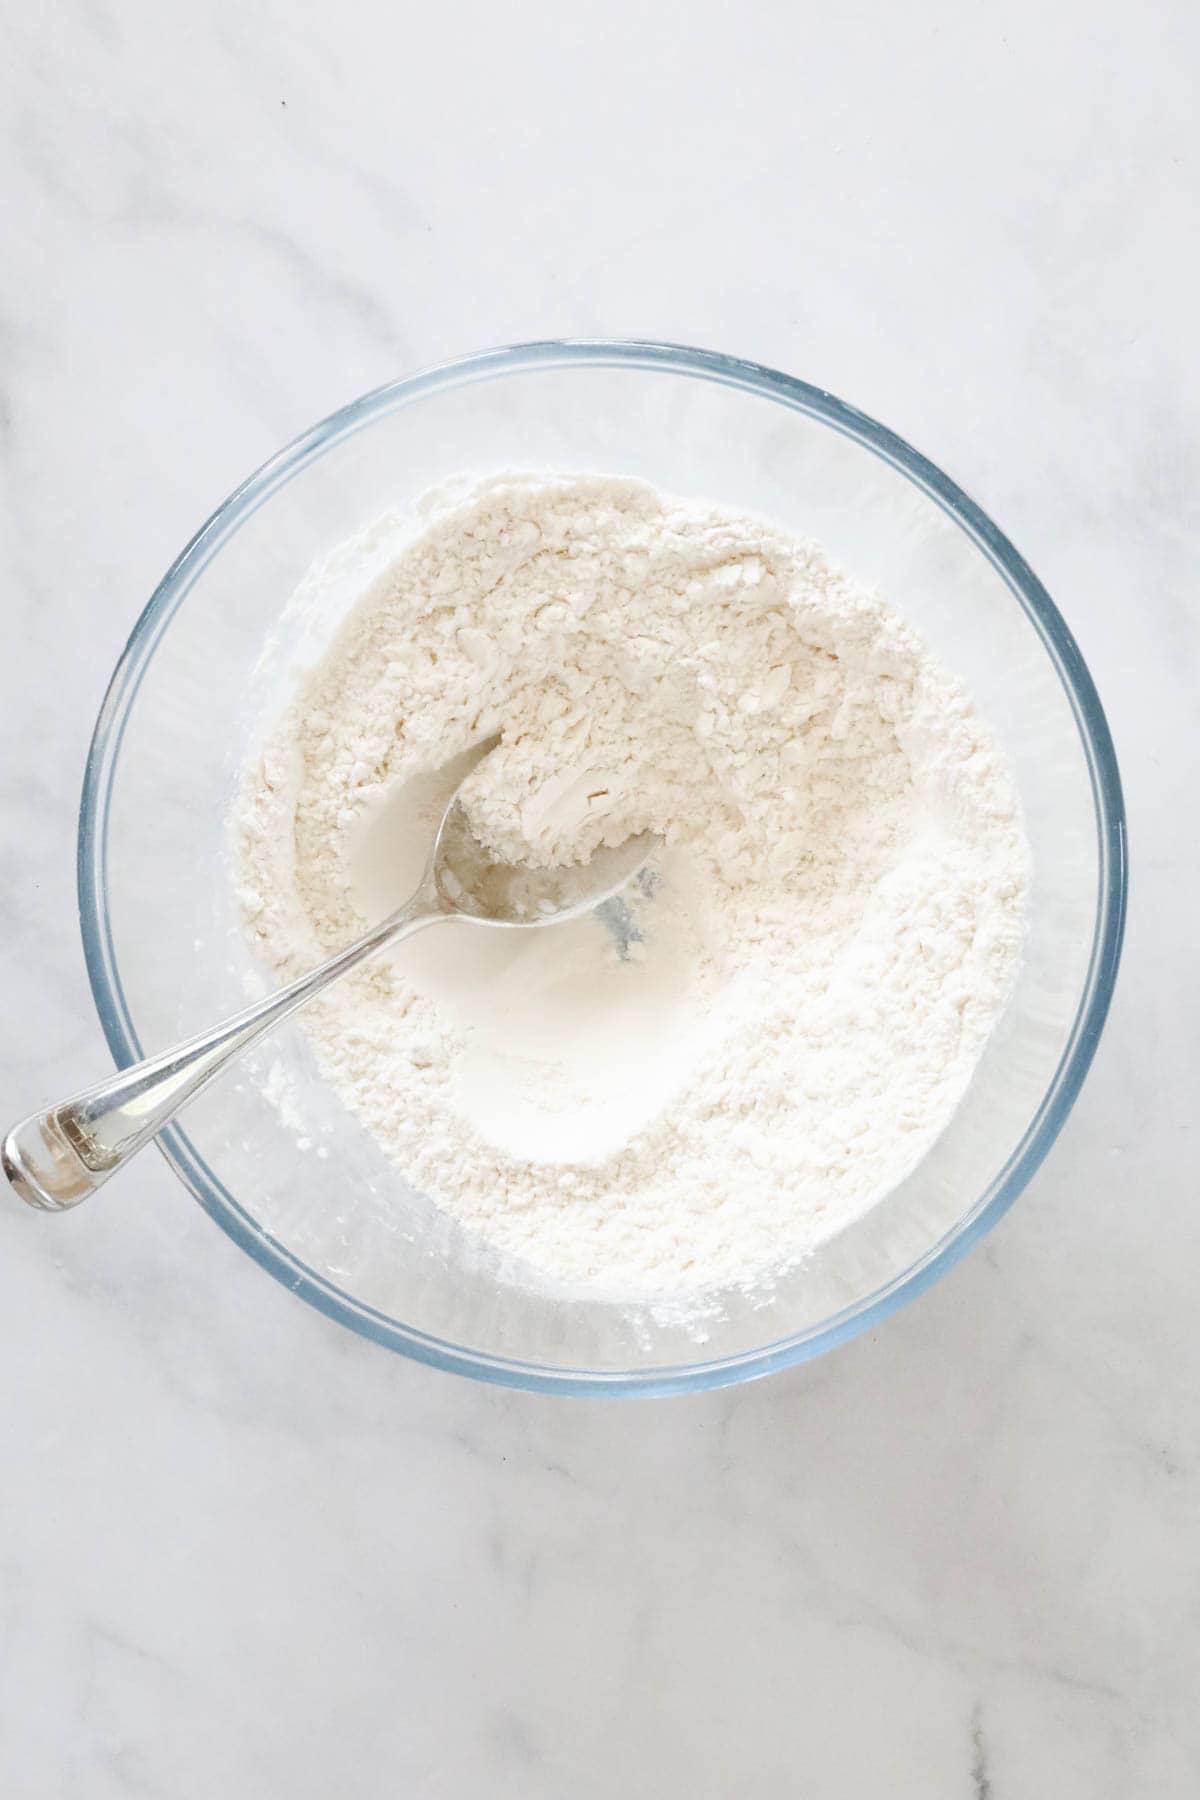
242	1552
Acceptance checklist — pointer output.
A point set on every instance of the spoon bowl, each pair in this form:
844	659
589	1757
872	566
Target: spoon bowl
475	884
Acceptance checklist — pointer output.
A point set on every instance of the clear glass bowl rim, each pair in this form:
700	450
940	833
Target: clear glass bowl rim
787	390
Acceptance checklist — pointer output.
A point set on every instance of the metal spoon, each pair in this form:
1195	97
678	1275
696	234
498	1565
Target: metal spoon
56	1158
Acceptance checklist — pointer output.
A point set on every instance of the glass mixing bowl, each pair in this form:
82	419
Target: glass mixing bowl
310	1196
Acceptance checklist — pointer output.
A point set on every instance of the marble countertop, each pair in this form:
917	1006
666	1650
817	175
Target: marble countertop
243	1553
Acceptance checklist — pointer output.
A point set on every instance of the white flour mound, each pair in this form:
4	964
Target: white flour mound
766	1037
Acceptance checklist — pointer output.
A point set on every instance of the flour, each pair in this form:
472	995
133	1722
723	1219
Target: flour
769	1031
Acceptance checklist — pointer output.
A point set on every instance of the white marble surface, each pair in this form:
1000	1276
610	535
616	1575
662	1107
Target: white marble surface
243	1553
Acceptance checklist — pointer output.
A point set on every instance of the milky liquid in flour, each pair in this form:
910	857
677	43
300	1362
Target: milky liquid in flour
562	1059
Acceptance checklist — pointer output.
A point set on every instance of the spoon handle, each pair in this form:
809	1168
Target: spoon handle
56	1158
